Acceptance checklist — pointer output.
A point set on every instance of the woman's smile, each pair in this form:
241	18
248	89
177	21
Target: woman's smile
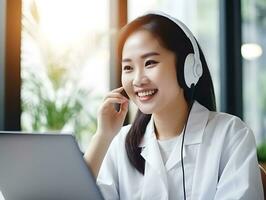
145	95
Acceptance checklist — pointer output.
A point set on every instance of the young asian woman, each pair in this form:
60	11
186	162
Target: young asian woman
178	146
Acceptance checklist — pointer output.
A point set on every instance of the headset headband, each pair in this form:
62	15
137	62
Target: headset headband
193	66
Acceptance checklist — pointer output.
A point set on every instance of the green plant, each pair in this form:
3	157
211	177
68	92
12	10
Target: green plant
262	84
261	152
48	108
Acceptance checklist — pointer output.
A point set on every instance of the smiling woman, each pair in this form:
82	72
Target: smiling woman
177	140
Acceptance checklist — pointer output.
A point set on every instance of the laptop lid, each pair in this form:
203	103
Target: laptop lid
44	167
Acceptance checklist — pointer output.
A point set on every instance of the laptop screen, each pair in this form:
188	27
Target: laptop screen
44	166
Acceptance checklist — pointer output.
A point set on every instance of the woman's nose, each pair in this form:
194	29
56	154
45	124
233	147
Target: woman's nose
140	79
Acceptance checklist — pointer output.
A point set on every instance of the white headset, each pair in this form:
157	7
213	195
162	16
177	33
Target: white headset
192	67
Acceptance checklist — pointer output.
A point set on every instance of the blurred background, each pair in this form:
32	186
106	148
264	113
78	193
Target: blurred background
57	59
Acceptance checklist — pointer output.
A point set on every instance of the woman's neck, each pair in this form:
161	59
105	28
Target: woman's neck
170	123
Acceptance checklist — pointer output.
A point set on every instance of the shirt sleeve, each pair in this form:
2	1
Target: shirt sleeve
107	179
239	174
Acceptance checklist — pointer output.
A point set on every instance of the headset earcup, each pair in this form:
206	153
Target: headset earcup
188	70
192	70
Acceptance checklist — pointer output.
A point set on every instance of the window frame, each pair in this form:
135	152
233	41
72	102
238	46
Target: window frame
2	61
230	57
12	107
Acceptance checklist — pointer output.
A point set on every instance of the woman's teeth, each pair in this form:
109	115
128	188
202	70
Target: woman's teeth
146	93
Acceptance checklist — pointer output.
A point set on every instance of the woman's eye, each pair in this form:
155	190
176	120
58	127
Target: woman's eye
127	68
150	62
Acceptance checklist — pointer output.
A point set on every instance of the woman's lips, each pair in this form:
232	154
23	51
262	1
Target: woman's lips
147	94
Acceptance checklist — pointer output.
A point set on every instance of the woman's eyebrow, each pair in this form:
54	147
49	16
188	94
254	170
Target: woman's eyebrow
146	55
126	60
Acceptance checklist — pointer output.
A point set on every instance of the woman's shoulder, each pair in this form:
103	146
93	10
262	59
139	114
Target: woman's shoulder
121	135
117	150
228	126
124	130
227	133
220	120
226	120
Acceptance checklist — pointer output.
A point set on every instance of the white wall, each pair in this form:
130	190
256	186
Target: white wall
2	61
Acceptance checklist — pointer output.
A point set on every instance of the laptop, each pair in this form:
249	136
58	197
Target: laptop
44	167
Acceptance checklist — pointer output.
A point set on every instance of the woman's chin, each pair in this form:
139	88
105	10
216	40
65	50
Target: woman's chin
146	111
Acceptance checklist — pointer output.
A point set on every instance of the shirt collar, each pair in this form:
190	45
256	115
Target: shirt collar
197	121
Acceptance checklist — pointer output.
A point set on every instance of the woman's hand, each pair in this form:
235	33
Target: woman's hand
109	123
109	119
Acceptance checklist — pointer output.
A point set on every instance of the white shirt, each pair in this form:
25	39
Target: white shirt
166	147
220	163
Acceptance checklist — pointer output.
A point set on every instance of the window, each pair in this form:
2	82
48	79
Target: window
64	65
254	66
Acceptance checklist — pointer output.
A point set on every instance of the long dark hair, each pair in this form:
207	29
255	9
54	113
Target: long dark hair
171	37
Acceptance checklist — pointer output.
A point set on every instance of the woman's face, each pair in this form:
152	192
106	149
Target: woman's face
149	74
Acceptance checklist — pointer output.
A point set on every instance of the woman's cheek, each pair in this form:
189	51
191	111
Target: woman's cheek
125	84
123	80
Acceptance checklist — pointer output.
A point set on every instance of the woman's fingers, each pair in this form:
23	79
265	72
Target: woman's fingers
112	100
116	93
124	107
120	89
